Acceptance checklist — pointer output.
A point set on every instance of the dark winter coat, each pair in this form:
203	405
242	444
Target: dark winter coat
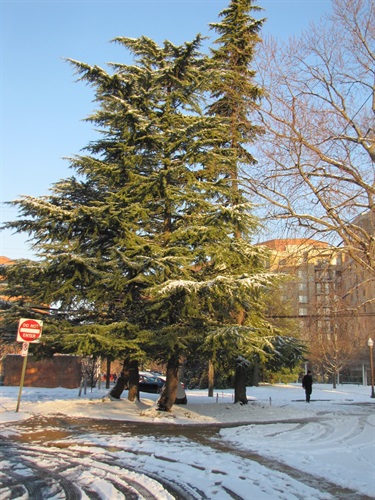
307	382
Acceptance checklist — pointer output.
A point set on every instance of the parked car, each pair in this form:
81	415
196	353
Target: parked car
148	382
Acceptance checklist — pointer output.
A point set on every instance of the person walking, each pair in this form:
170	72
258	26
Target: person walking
307	383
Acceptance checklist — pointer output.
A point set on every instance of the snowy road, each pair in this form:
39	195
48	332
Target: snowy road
41	474
74	458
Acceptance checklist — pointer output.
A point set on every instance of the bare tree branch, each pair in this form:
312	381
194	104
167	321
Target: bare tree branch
316	160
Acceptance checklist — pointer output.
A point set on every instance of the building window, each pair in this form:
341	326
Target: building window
302	311
328	327
302	299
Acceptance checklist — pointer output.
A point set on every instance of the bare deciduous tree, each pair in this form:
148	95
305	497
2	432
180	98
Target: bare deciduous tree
317	156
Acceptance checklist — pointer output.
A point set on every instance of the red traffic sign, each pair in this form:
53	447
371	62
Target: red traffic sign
29	330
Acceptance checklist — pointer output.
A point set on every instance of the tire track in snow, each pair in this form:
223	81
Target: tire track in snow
202	435
22	475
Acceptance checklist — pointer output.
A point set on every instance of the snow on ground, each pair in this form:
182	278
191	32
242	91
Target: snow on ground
333	437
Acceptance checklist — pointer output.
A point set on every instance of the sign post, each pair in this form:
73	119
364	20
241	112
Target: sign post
29	332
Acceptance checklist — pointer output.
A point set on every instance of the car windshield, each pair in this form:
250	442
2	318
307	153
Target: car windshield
150	379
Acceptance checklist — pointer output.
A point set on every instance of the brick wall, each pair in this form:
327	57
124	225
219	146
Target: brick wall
59	371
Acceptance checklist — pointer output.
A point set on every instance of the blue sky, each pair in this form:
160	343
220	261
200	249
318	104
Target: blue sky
42	107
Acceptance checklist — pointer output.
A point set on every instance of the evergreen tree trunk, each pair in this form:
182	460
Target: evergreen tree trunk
119	386
169	393
240	384
132	375
256	373
211	376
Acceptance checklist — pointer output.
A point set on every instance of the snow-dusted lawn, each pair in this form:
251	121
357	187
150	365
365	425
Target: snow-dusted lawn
332	438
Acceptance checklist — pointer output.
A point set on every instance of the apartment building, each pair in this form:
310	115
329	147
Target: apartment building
316	271
329	318
359	283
